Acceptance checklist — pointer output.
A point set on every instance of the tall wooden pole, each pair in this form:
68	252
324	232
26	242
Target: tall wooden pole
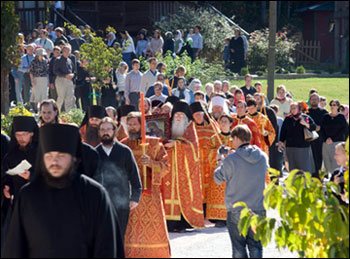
272	49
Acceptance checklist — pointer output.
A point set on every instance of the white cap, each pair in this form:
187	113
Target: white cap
219	101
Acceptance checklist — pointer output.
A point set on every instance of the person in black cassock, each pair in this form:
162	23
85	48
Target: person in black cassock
62	213
23	146
88	127
49	114
118	172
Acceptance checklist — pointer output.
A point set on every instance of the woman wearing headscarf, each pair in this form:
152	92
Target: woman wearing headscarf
292	137
178	42
111	39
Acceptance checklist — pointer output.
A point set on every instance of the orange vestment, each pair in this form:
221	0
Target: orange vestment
252	126
182	186
146	234
204	133
216	208
121	133
264	123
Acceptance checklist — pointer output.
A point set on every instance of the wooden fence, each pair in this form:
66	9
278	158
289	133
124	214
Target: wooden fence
308	52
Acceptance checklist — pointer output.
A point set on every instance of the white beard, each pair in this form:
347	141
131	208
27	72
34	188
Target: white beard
178	129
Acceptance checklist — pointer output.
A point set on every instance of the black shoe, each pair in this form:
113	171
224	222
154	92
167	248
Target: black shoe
220	224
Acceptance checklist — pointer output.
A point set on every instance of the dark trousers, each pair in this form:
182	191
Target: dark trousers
26	87
239	243
134	98
316	147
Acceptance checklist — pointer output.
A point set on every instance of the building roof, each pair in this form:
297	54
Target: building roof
327	6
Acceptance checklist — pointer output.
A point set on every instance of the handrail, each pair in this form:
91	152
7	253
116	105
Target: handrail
78	18
228	19
60	15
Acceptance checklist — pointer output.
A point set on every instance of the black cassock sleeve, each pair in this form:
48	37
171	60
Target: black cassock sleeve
134	176
16	244
106	228
90	160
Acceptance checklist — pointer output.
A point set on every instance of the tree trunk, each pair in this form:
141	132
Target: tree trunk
5	92
272	49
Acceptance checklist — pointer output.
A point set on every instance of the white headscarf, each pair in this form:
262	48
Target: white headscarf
193	83
109	42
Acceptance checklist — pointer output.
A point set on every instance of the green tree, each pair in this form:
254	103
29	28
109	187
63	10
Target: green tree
100	57
10	51
214	28
312	223
258	50
200	69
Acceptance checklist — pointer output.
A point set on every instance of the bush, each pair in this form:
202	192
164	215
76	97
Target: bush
259	73
244	71
6	121
204	71
214	28
300	70
317	71
311	220
73	116
257	57
285	72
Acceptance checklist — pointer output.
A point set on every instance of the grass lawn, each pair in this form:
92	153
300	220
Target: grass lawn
331	88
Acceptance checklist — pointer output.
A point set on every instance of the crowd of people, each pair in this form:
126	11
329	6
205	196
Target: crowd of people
100	189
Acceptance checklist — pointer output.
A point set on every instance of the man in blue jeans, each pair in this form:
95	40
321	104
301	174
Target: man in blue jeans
244	173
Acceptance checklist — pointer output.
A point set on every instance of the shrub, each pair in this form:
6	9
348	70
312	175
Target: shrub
214	28
244	71
257	57
6	121
300	70
259	73
73	116
311	219
285	72
204	71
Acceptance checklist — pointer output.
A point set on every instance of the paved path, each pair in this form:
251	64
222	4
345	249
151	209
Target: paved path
215	243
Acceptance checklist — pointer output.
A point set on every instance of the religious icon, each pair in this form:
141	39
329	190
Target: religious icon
158	125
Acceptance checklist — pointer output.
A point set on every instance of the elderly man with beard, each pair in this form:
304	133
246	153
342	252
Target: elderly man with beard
218	106
62	213
182	186
147	220
118	172
88	128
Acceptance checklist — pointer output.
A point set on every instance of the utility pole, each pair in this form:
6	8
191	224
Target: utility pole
272	49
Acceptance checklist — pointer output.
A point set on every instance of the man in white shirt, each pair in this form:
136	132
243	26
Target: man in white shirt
45	42
150	76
